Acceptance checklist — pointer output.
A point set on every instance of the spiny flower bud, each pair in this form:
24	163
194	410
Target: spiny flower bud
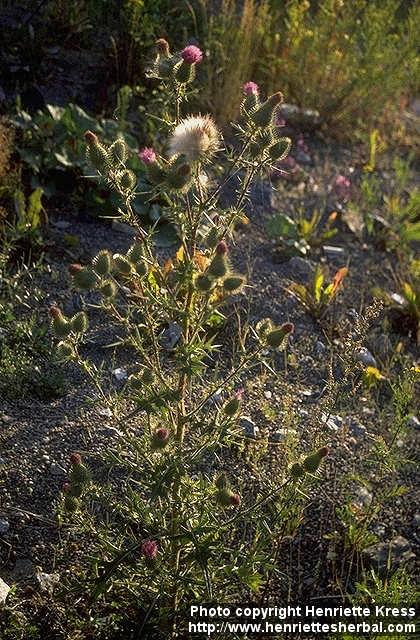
280	149
297	471
185	72
127	180
147	155
232	406
79	474
70	504
97	153
64	351
141	268
203	283
263	116
160	439
75	490
312	462
108	289
61	326
118	150
235	500
83	278
224	497
75	458
222	482
149	549
122	264
135	252
276	336
102	263
233	283
79	322
180	177
218	267
66	487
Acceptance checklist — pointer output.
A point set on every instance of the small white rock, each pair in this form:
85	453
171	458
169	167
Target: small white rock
4	590
120	374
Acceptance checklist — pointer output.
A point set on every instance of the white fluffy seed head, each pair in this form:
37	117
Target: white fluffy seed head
196	137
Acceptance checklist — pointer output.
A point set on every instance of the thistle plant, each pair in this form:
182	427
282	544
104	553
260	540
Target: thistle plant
169	528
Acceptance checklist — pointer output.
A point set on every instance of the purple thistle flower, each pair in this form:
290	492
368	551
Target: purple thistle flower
251	88
147	155
149	549
342	187
192	54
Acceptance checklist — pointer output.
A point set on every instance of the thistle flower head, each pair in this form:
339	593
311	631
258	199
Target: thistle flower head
90	137
192	54
195	137
55	312
162	47
149	549
222	248
235	500
66	487
75	268
162	433
75	459
251	88
147	155
287	327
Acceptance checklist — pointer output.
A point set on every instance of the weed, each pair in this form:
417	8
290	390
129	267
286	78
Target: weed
317	296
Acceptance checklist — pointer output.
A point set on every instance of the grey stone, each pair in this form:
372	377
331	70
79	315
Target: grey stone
333	252
250	428
413	422
303	158
320	348
170	336
4	526
4	590
121	227
48	581
300	267
55	469
357	429
216	399
362	497
387	557
365	357
281	435
334	423
299	117
120	374
416	520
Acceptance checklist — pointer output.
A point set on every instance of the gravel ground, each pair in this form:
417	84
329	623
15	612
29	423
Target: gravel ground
37	437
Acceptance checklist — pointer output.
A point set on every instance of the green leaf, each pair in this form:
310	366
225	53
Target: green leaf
33	214
55	111
318	282
280	226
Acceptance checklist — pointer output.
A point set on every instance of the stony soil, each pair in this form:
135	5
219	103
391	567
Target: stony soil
37	436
